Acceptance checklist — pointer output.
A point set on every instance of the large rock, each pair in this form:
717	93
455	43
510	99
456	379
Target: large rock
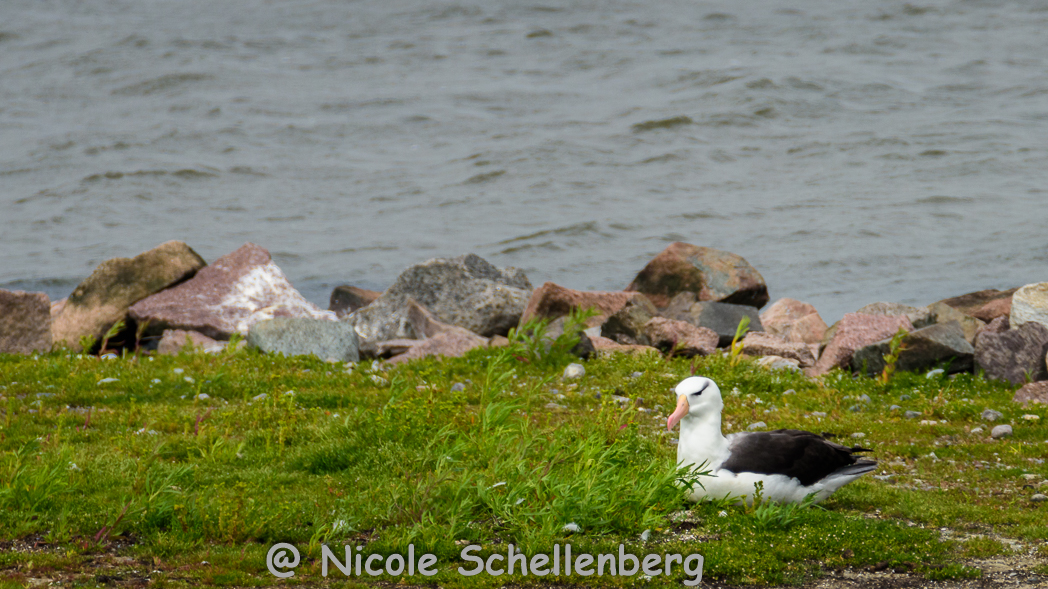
793	321
943	313
174	340
722	318
346	299
1032	392
922	348
465	291
433	337
855	331
713	275
766	344
626	325
1029	303
229	296
919	316
993	309
301	336
104	297
972	302
607	347
25	322
1014	354
551	301
680	337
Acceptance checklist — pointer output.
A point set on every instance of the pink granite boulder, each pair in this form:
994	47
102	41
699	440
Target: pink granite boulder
1032	392
680	337
854	331
25	322
104	297
229	296
765	344
175	340
793	321
1013	355
435	338
551	301
713	275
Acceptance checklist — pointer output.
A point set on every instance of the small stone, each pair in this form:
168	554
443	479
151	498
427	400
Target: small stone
203	396
789	392
105	380
574	371
1001	431
977	430
991	415
911	415
894	407
934	373
858	435
572	527
645	535
904	397
260	397
818	414
865	398
757	425
855	408
555	406
1039	497
458	386
636	374
1031	417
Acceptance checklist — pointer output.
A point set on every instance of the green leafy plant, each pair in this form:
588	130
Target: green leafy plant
87	342
735	352
112	332
895	349
532	343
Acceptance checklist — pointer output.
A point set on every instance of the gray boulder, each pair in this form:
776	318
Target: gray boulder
943	313
919	316
104	297
25	322
1014	354
922	348
299	336
722	318
626	325
465	291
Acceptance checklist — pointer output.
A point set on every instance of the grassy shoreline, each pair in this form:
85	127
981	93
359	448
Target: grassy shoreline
193	458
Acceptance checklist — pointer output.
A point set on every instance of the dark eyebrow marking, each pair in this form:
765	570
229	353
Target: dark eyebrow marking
704	386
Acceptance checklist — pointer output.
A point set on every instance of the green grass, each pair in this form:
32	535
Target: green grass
142	474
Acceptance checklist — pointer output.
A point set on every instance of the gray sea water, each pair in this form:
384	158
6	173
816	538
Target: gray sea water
851	151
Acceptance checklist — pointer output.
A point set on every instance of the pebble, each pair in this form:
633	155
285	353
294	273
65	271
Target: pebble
894	407
1031	417
929	422
991	415
934	373
855	408
572	527
555	406
458	386
865	398
911	415
1001	431
177	370
1031	477
858	435
156	381
574	371
904	397
757	425
203	396
636	375
260	397
105	380
1039	497
818	414
977	430
788	392
645	535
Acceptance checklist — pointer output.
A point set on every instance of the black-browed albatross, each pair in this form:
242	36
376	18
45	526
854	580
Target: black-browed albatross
790	463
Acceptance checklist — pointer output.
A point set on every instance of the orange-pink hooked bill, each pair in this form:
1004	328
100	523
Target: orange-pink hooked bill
682	409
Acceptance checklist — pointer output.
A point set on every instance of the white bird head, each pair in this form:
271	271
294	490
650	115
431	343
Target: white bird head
697	396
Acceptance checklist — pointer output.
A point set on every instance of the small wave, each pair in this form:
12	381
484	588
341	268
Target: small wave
661	159
943	200
485	177
161	84
662	124
546	245
576	230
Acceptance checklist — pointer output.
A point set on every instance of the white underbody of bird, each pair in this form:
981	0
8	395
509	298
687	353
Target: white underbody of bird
789	464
